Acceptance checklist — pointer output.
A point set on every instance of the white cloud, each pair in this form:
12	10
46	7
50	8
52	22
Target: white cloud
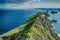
31	4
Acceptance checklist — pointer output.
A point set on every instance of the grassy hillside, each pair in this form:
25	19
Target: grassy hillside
35	28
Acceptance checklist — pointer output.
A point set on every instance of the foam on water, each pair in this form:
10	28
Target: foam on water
55	25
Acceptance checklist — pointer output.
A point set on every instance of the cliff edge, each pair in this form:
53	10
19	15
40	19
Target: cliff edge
38	27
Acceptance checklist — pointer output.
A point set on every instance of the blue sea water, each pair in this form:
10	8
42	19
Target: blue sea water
10	19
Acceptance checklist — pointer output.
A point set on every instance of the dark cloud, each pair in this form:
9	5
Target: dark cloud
13	1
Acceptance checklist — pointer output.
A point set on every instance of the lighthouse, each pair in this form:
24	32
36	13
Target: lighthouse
42	16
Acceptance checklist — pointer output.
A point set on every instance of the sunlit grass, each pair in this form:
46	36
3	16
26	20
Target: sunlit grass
29	28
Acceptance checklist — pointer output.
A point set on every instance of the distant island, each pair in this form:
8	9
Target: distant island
36	27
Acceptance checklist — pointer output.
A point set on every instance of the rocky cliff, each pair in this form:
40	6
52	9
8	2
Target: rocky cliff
38	28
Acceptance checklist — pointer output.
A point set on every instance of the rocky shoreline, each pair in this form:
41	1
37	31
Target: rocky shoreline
38	28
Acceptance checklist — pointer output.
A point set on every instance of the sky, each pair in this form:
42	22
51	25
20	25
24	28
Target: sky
25	4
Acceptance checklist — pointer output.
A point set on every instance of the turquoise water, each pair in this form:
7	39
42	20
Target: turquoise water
56	25
10	19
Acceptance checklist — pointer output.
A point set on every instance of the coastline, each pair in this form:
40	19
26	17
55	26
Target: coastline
53	26
48	26
59	35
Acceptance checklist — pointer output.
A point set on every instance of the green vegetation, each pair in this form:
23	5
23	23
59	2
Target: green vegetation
25	32
44	13
32	17
33	29
19	28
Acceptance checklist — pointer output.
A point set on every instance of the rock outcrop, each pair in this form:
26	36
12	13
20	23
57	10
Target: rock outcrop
38	28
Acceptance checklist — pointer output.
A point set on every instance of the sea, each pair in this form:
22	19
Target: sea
11	18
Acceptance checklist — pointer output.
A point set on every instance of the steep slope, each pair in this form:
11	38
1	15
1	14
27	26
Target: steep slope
38	28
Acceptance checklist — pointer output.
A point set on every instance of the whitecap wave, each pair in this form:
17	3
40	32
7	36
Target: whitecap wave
59	35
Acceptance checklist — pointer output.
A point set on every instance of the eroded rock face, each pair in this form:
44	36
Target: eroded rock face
38	29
